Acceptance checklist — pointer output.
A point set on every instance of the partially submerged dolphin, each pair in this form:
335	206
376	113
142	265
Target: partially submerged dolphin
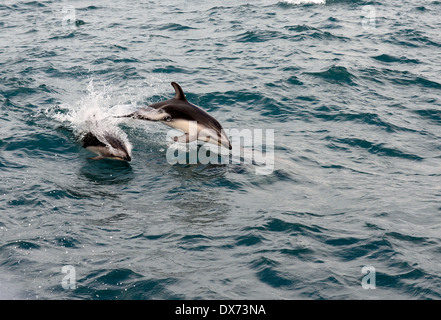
107	146
180	114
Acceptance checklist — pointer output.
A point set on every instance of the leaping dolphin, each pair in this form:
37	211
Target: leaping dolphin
180	114
107	146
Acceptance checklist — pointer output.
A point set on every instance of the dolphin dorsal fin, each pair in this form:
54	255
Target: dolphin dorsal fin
179	94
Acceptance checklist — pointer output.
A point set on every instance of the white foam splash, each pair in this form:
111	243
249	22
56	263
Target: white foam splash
94	113
94	107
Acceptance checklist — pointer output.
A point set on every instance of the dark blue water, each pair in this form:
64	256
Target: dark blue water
350	88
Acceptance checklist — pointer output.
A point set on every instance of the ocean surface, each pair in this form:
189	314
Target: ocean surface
351	90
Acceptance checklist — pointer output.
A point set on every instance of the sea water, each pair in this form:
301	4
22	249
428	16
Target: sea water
350	90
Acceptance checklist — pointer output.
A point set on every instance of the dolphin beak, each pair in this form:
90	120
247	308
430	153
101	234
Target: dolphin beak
225	142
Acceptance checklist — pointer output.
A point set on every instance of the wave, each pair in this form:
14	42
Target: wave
302	2
174	27
267	273
91	7
122	284
391	59
312	2
433	115
172	69
411	38
305	31
37	144
398	77
373	119
375	148
270	105
336	74
37	4
260	36
292	228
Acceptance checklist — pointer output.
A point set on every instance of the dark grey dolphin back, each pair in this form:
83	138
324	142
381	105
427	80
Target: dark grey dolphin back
115	142
90	140
180	108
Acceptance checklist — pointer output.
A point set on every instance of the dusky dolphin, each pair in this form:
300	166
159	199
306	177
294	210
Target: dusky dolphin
180	114
106	146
